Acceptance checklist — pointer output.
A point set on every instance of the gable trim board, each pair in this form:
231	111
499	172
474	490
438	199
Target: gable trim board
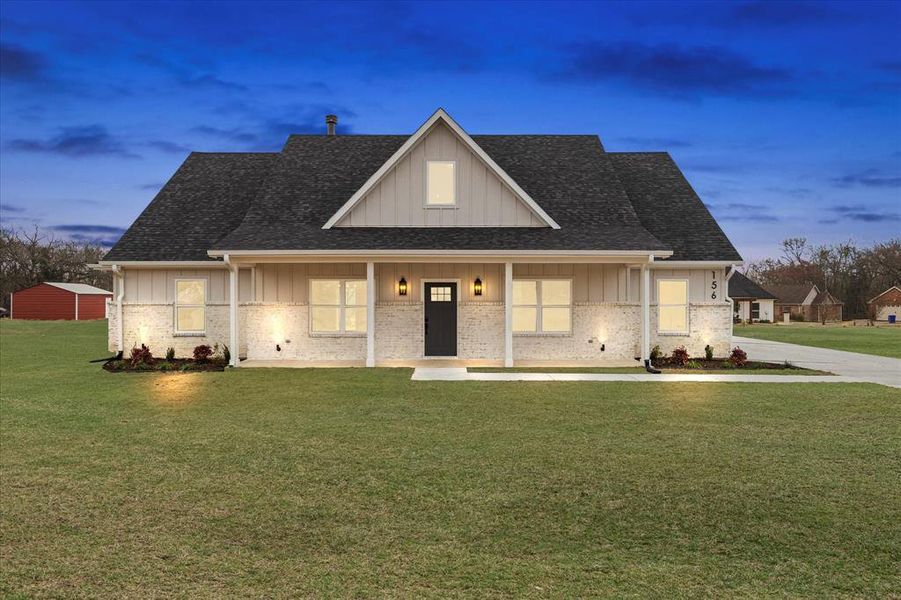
407	146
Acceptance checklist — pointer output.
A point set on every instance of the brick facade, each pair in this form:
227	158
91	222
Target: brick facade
399	332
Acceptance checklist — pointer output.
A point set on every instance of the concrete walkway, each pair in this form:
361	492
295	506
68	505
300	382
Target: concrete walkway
459	374
863	367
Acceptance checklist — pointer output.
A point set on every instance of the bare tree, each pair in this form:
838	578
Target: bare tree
29	258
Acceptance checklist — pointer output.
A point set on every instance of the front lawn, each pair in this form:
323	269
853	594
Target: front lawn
881	341
356	482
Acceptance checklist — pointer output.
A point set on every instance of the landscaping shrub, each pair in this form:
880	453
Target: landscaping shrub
226	354
202	353
170	353
141	356
708	352
738	357
693	364
680	356
655	353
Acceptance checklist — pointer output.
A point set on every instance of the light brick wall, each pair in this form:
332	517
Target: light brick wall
708	324
153	325
615	325
399	332
265	325
480	330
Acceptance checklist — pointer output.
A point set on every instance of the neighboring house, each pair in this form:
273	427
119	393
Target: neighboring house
887	303
376	248
750	301
805	302
58	301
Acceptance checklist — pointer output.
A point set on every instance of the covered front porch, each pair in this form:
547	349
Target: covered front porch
419	310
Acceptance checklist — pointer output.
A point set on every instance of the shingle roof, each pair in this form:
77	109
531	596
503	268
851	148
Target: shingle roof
205	199
570	177
742	287
669	207
791	293
279	201
79	288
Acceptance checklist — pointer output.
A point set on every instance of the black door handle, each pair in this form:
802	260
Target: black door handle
427	326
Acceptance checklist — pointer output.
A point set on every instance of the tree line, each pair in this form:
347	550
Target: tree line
851	273
31	257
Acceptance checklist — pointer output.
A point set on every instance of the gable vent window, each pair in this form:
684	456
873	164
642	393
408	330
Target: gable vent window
441	183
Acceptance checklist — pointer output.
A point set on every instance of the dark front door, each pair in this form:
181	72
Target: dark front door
440	319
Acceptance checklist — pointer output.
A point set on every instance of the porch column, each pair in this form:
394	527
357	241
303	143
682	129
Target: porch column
370	314
233	340
645	313
508	314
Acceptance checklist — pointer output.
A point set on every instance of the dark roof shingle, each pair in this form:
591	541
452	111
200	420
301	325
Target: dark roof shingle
740	286
670	209
204	200
279	201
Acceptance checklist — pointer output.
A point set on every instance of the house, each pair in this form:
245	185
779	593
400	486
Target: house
887	303
389	249
750	301
805	302
59	301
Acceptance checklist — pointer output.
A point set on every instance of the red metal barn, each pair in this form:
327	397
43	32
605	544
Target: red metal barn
59	301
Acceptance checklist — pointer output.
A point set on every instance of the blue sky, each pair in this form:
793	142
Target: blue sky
786	117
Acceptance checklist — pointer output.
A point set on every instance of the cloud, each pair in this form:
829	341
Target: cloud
656	142
11	208
91	140
105	242
751	218
168	147
674	69
150	186
89	229
20	64
869	178
864	214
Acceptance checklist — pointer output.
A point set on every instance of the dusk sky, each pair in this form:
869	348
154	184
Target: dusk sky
785	117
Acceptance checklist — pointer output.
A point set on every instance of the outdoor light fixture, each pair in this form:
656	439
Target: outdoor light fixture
402	287
477	287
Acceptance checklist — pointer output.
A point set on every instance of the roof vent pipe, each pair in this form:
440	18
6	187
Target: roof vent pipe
330	122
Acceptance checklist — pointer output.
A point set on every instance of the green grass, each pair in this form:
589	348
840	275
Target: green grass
880	341
640	370
362	483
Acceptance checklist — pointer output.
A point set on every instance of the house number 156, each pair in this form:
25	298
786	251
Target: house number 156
713	286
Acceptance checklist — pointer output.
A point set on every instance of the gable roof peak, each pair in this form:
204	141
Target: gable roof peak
439	115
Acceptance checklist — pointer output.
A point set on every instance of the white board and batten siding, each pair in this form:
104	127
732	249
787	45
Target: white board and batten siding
482	198
157	286
279	283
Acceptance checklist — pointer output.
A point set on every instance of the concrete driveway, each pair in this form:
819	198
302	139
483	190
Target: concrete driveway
875	369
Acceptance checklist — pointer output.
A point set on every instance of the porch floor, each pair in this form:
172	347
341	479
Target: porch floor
432	363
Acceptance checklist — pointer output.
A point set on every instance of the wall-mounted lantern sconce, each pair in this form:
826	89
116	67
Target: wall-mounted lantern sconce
477	287
402	287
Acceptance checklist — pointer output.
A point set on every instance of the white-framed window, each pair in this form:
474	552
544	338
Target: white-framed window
542	306
672	306
190	306
441	183
338	306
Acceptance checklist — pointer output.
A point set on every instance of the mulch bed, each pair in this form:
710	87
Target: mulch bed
723	364
176	365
